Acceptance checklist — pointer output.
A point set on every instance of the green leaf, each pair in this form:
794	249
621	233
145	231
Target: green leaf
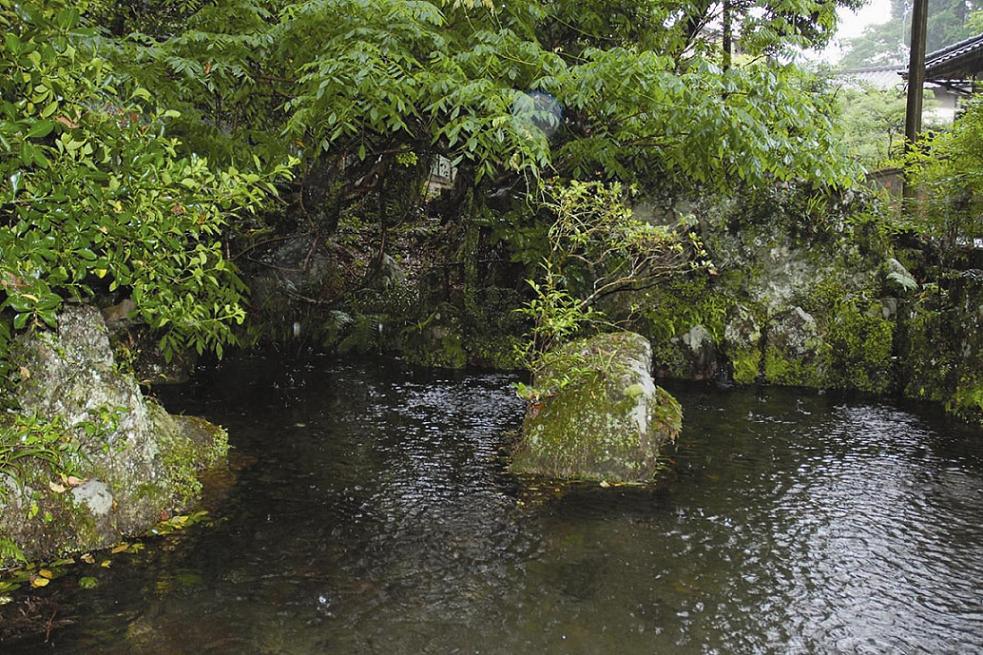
40	129
49	109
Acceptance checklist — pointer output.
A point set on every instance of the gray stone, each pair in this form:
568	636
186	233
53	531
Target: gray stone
139	461
700	353
95	495
889	307
742	331
789	273
608	423
795	333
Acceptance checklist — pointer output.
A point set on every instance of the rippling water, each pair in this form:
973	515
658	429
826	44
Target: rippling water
372	513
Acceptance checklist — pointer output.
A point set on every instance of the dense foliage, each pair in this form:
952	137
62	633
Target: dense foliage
596	249
109	186
872	123
947	168
503	89
96	197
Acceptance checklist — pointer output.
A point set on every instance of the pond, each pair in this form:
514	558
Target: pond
372	512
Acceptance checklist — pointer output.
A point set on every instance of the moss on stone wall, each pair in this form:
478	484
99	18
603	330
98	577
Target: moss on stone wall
783	369
746	365
860	346
941	349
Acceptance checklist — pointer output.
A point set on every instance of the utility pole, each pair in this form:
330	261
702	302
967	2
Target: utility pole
916	80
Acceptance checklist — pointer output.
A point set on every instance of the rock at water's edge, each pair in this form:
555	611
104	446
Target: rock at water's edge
610	424
140	463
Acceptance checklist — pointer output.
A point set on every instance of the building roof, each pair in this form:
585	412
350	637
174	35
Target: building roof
959	61
884	78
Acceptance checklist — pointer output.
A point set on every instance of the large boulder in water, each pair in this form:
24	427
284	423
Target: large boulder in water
597	414
138	464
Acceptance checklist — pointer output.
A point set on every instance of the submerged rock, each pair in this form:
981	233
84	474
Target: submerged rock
138	463
598	414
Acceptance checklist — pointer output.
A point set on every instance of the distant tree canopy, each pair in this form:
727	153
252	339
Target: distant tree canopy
872	122
886	43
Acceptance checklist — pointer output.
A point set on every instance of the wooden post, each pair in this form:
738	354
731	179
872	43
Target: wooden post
916	80
727	34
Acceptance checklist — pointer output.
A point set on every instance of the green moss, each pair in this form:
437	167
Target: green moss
496	352
667	416
927	363
582	423
434	345
45	523
676	306
747	365
670	359
188	445
364	335
860	346
781	369
551	450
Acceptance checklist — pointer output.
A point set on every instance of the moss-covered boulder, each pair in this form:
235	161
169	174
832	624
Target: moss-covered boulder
742	344
942	346
136	464
595	413
794	353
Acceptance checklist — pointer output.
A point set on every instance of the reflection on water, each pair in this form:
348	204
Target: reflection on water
377	517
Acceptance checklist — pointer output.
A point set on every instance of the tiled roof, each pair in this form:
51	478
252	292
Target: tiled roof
879	77
959	60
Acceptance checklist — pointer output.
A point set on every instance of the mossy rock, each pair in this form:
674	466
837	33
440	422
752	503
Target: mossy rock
742	344
795	354
746	365
860	348
135	464
942	348
437	343
598	414
500	352
782	368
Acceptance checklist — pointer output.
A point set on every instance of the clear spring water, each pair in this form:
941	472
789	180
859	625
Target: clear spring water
371	512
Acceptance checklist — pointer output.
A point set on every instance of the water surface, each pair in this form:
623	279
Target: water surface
371	512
